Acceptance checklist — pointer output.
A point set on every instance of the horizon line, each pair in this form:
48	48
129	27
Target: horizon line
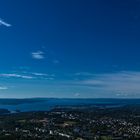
69	98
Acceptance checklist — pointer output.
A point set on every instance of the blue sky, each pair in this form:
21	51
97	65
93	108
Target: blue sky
71	49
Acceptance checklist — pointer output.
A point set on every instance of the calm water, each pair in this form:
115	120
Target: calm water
47	104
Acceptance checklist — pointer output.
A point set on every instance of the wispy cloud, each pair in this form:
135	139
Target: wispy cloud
3	88
40	74
122	84
28	75
38	55
13	75
44	76
2	22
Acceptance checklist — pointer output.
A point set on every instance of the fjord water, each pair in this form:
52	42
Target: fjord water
48	104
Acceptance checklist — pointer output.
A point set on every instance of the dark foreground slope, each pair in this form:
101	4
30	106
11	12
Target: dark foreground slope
73	123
